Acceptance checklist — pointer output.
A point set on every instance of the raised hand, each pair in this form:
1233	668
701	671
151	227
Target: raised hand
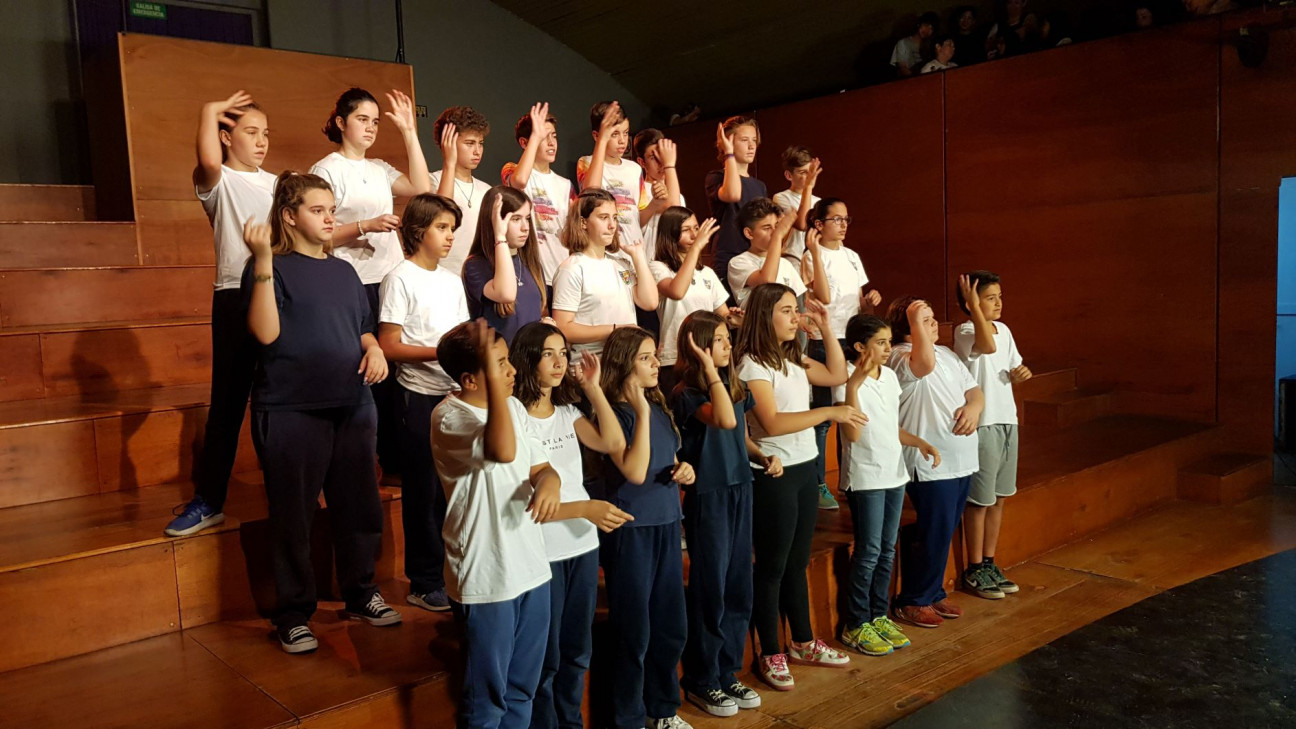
634	248
683	474
704	355
539	115
484	338
450	145
724	141
667	152
499	218
704	233
970	295
609	120
812	241
229	110
402	111
914	312
812	175
735	317
638	400
587	370
256	236
605	516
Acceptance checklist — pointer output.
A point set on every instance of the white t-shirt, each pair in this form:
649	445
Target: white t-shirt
650	232
791	395
599	290
469	198
846	277
906	51
550	195
705	293
236	198
625	181
934	65
991	371
927	408
557	433
790	200
362	190
494	551
426	304
876	460
743	265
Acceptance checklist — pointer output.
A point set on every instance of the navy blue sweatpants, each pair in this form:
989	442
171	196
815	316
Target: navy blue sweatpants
423	501
643	568
505	648
573	594
925	547
718	525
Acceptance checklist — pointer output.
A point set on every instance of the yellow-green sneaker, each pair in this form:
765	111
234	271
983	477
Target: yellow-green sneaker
867	641
890	632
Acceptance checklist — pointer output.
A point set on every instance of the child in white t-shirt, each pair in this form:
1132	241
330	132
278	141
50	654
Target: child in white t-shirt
461	132
233	139
421	301
765	225
657	156
873	480
801	169
598	287
987	347
499	489
608	169
940	403
550	386
550	192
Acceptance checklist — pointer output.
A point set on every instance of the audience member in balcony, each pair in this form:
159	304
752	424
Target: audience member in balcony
944	59
711	406
550	192
784	508
969	38
1203	8
987	347
503	276
233	139
907	56
873	480
365	235
765	226
1006	35
421	301
941	404
643	564
314	423
461	133
551	387
729	189
1143	16
801	169
608	169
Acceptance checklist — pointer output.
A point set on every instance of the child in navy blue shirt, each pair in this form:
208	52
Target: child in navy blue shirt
642	561
314	423
503	277
711	406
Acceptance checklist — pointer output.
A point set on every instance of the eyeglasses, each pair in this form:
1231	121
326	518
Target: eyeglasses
839	220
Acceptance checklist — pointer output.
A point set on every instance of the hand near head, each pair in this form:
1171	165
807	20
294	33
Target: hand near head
609	120
257	238
724	141
703	355
914	312
812	241
815	312
704	233
450	144
667	152
229	110
539	115
484	337
638	399
499	218
587	370
402	111
812	175
970	295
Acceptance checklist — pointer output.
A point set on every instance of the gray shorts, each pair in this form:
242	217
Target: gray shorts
997	476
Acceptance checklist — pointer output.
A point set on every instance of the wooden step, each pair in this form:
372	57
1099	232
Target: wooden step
1045	383
47	202
58	296
81	243
1066	409
1226	478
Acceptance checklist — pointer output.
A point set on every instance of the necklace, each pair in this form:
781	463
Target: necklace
455	180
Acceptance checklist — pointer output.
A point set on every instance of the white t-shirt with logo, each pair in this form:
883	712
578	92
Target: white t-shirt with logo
992	371
846	277
494	550
426	304
743	265
361	191
625	180
790	200
469	197
791	395
599	290
927	406
236	198
876	460
550	195
557	433
705	293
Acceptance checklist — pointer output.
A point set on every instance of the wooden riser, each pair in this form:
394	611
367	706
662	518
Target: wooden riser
47	202
1065	409
54	244
52	297
1228	478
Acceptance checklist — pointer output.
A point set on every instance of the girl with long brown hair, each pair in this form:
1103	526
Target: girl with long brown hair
502	276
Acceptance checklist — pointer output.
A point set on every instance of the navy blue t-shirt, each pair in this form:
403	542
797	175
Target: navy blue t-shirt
657	500
718	456
323	311
730	240
528	307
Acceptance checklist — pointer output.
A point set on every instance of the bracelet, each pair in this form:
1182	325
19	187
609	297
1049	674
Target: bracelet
713	384
359	227
668	167
501	241
727	156
262	278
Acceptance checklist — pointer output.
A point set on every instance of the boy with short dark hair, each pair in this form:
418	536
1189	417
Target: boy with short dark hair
461	132
550	192
907	56
764	225
944	59
607	168
730	188
801	169
657	156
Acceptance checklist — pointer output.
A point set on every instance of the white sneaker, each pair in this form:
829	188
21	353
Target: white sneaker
673	722
714	702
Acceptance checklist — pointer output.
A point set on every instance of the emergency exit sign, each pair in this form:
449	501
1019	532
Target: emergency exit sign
152	11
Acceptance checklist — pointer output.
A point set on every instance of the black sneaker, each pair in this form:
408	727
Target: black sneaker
743	696
297	639
376	612
981	582
713	701
1006	585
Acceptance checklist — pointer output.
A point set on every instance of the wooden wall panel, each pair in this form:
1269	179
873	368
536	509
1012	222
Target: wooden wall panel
148	448
881	149
163	98
53	244
47	462
52	297
1087	176
47	202
111	360
20	367
1257	149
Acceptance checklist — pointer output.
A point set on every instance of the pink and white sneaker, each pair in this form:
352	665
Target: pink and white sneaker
774	671
817	653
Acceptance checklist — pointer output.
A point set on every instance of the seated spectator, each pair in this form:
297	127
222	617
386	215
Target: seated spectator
969	39
944	56
1006	35
1202	8
907	55
1143	18
1055	30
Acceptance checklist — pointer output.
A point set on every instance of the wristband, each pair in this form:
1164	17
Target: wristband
359	227
501	241
730	154
713	384
262	278
668	167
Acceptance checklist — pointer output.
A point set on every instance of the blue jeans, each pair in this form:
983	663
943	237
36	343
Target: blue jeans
821	397
925	549
875	517
573	592
505	649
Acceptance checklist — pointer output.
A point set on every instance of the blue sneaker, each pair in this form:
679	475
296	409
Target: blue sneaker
194	517
437	601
